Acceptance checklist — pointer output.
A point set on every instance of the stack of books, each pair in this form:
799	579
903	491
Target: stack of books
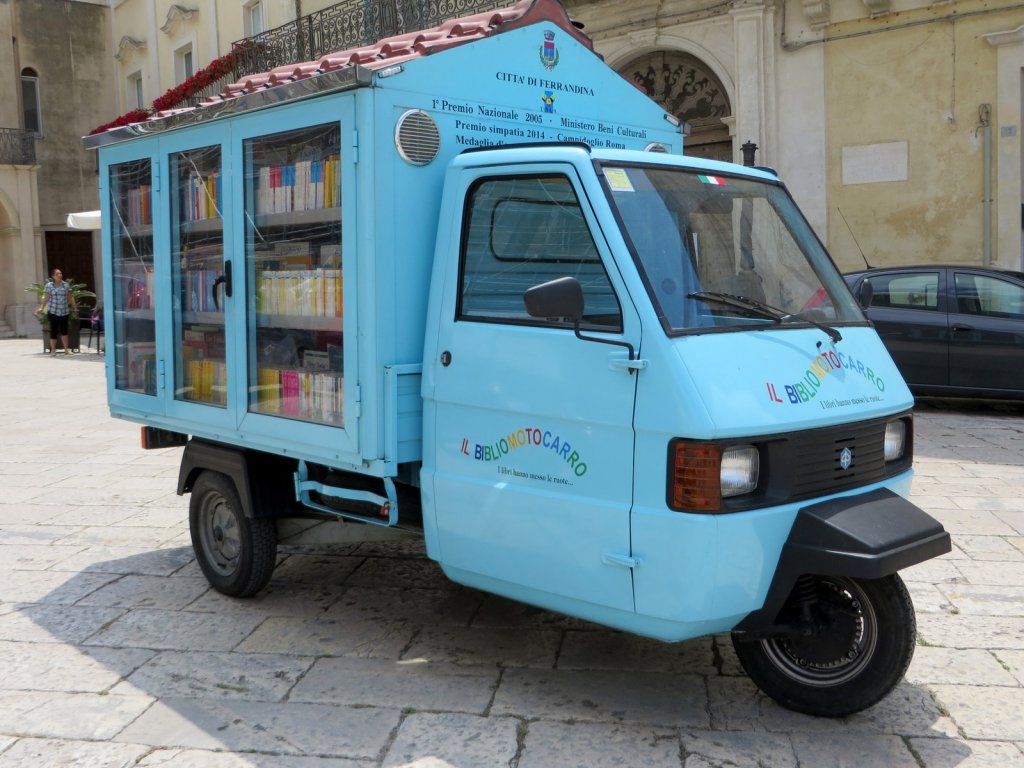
302	186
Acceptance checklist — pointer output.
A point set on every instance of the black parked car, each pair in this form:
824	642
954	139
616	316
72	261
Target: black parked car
951	330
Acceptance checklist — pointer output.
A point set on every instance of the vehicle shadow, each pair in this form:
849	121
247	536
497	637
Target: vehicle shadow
367	652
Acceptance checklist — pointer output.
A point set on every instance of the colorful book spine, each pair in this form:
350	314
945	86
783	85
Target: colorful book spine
303	293
300	186
317	396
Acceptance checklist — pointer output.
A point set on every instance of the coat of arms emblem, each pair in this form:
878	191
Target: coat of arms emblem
549	51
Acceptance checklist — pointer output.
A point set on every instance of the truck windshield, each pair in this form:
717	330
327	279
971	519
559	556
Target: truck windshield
726	253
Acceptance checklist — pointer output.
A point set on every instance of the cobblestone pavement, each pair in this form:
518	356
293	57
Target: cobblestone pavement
114	651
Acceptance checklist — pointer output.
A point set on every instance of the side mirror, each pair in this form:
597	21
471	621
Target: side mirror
564	298
556	298
865	294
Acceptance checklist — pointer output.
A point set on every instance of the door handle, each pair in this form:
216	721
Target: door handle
224	280
620	561
962	327
619	362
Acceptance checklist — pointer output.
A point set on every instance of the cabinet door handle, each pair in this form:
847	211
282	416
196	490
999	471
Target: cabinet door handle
224	280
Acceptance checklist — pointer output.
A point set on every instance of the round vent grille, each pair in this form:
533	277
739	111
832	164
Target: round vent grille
656	147
417	137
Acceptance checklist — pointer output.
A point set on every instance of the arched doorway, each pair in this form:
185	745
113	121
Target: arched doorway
684	86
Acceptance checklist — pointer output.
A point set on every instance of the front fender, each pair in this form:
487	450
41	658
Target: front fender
867	536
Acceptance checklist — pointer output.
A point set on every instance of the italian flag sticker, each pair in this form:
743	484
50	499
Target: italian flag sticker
716	180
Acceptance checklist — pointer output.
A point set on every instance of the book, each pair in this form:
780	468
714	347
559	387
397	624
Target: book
140	361
290	392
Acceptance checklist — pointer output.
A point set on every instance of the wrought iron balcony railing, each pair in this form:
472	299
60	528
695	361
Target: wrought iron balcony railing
345	25
17	147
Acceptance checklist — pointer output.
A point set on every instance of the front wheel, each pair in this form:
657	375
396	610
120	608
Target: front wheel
852	643
236	553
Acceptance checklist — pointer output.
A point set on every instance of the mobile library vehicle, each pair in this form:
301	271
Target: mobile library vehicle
465	283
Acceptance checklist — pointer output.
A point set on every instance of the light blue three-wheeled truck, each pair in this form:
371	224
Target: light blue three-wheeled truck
465	283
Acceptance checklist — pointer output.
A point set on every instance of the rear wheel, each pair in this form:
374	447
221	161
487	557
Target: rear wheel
236	554
853	642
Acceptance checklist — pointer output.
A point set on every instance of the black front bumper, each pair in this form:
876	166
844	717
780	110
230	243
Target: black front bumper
867	536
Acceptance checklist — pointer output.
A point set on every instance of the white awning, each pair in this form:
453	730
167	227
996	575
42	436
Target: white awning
84	220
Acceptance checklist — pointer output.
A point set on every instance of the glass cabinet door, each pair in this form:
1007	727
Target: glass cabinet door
134	299
294	274
198	278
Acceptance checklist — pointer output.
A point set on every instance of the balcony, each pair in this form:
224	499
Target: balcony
348	24
343	26
17	147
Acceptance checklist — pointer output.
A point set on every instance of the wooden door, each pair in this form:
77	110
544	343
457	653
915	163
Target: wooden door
72	253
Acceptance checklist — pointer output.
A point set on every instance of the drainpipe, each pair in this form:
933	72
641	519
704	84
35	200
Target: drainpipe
985	124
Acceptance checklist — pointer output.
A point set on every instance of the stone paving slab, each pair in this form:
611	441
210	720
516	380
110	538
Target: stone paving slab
59	587
1013	661
936	753
114	652
604	696
45	623
251	677
845	749
248	726
175	630
449	738
736	704
599	745
445	607
61	667
486	647
196	758
60	715
415	684
949	666
329	637
34	753
984	712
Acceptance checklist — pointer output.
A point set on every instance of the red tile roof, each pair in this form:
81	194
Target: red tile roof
412	45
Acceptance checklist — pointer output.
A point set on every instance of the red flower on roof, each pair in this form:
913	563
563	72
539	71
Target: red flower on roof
178	95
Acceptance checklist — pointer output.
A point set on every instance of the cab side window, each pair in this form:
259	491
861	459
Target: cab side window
522	231
906	291
981	295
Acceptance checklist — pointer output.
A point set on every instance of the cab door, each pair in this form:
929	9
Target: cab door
532	466
986	329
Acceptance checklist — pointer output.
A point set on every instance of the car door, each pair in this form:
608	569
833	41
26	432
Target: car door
909	314
986	350
533	432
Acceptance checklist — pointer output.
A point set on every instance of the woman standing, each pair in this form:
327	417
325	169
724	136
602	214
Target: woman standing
58	303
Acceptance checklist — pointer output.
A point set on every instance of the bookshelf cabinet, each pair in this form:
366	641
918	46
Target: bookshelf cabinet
198	283
225	283
133	276
294	274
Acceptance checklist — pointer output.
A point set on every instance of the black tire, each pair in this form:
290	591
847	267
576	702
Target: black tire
859	650
236	554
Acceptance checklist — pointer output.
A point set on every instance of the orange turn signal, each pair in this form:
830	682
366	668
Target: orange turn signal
696	477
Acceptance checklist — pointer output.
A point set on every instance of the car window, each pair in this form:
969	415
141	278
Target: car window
918	290
983	295
521	231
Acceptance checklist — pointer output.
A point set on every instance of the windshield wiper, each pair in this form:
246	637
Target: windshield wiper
764	310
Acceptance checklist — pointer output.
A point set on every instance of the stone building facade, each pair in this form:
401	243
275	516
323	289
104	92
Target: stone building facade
897	124
57	65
